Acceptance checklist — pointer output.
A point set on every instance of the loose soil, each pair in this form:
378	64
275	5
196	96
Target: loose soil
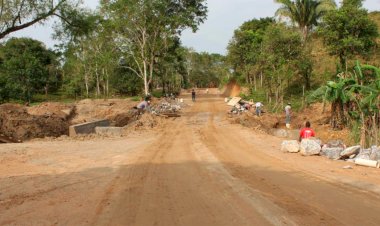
198	169
20	123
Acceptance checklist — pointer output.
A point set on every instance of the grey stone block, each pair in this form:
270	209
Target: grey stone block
87	128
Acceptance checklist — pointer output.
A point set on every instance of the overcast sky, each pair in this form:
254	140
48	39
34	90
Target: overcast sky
213	36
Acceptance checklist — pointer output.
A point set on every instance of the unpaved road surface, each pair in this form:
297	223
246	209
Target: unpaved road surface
197	170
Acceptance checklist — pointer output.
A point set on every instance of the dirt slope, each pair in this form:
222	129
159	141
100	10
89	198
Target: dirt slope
198	170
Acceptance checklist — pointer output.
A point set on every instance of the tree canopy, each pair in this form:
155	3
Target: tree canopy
306	14
26	67
349	32
16	15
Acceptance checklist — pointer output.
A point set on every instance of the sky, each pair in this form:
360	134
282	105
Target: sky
224	17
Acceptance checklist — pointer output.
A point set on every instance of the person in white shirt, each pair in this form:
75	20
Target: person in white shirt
142	106
258	106
288	114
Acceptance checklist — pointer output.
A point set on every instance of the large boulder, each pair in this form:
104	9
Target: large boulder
310	147
375	153
364	154
354	150
291	146
335	144
331	153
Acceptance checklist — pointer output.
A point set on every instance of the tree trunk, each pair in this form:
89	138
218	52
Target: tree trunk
337	115
86	82
343	62
363	131
107	84
97	81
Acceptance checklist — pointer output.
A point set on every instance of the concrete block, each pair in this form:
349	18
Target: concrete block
87	128
109	131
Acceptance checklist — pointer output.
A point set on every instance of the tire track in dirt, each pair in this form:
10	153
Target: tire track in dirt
307	200
174	188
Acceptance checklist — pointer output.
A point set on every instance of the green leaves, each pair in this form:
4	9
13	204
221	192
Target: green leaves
304	13
25	68
348	32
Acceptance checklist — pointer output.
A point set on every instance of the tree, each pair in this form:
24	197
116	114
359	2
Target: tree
26	67
207	70
348	32
280	55
19	14
245	47
143	28
305	13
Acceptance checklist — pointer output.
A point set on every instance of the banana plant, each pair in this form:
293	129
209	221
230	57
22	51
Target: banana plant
356	97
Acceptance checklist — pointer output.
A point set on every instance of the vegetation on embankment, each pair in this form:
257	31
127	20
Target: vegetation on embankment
282	62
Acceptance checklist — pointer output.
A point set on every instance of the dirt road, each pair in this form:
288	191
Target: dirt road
198	170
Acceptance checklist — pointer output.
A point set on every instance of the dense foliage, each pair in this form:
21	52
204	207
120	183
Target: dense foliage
348	32
26	67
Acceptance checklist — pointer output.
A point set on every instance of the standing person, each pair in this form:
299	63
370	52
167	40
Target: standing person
193	95
258	106
288	114
306	132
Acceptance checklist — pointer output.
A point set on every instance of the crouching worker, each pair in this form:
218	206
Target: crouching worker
142	106
306	132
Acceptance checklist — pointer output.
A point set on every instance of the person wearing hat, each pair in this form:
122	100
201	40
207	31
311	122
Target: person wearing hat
288	114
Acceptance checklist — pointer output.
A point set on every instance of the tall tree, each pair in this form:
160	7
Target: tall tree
246	45
304	13
282	50
19	14
349	32
143	28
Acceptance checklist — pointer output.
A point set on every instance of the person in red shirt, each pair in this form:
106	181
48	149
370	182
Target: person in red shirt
306	132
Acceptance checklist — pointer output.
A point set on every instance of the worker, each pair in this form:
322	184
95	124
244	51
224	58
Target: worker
288	114
193	95
258	106
306	132
142	106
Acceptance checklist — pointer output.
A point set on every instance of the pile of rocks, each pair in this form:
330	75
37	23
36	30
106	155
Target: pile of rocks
335	150
166	106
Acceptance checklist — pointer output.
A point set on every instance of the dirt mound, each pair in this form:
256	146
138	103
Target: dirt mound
52	108
149	121
265	123
17	123
232	89
124	119
90	110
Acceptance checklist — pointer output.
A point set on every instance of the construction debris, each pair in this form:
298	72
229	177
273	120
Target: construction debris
234	101
334	150
369	163
166	107
350	152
